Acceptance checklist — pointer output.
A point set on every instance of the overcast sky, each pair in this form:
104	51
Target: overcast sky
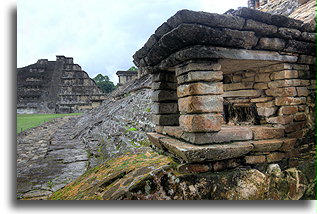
101	35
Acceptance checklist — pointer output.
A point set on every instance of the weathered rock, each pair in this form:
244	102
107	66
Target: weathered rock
275	44
260	28
282	101
281	92
242	93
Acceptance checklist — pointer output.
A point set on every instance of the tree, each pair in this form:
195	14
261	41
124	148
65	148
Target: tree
133	68
104	83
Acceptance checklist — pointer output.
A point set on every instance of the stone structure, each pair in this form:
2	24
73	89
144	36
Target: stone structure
126	76
233	89
56	87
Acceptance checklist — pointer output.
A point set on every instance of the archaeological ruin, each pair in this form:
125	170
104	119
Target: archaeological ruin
56	87
233	89
126	76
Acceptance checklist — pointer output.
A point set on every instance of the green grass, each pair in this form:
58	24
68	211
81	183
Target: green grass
26	121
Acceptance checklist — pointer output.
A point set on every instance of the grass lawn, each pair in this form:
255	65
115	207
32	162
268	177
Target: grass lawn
26	121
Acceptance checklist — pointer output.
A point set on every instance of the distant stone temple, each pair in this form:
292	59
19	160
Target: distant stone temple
230	90
56	87
126	76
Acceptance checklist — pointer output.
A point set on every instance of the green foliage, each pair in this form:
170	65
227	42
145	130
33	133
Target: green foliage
26	121
133	68
104	83
132	129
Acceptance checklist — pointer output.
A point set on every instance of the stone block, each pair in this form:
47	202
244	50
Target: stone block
194	153
274	44
174	131
237	86
295	126
260	86
310	37
302	91
196	65
200	89
275	67
163	95
306	59
281	92
288	33
204	76
259	27
283	119
165	108
201	104
274	157
285	101
164	85
284	83
285	74
261	99
237	78
242	93
166	119
193	168
265	105
301	47
155	139
200	122
285	110
297	134
248	79
225	135
267	145
255	159
264	132
262	77
266	112
166	76
301	116
288	144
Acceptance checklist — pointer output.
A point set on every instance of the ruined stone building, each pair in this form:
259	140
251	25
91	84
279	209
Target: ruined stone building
126	76
56	87
233	89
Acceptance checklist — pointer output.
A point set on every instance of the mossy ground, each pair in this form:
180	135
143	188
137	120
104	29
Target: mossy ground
113	177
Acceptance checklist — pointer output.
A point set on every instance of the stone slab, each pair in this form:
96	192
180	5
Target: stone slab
163	95
194	153
225	135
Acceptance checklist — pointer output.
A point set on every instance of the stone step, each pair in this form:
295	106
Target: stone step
203	153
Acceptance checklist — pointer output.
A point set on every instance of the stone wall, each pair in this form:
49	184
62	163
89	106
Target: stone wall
232	90
56	87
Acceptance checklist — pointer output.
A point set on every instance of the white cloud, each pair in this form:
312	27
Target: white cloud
101	35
